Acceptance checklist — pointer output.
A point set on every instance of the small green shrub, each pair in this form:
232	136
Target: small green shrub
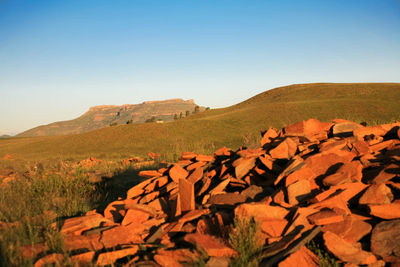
243	238
325	258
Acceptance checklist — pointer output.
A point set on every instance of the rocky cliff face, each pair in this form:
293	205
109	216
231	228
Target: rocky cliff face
105	115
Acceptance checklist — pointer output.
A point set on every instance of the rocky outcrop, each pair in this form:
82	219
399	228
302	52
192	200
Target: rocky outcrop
338	182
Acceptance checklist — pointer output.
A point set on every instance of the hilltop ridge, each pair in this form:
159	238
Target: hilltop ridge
105	115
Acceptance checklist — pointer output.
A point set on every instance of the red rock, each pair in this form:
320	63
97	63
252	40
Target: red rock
386	211
320	163
122	235
298	191
303	257
188	155
307	128
385	240
381	146
325	217
260	211
83	259
268	136
243	166
348	172
8	156
344	191
300	174
204	158
177	172
227	199
153	155
54	258
213	246
371	130
196	165
360	147
267	161
79	242
174	258
377	194
135	216
186	195
357	231
137	190
220	187
345	128
384	175
149	174
346	251
398	133
108	258
285	150
77	225
217	261
223	151
196	175
273	227
115	211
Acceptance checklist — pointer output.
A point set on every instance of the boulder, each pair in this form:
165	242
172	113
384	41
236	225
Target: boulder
285	150
213	246
177	172
345	251
386	211
303	257
377	194
385	239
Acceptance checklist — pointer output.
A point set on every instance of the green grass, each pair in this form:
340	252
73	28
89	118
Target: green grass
243	238
30	205
373	103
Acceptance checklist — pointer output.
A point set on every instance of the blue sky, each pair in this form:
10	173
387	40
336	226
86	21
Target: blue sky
58	58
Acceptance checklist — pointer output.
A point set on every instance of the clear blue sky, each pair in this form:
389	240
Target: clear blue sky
58	58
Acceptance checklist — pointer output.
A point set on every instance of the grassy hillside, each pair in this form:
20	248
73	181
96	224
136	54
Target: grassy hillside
233	126
103	116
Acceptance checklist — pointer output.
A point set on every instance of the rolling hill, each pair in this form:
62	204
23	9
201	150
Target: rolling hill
102	116
233	126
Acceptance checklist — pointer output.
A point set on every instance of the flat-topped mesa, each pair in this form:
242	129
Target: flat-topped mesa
178	100
103	107
337	182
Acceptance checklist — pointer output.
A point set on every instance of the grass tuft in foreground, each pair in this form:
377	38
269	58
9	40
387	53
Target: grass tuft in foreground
243	238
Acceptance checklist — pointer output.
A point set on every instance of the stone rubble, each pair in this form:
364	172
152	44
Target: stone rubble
338	182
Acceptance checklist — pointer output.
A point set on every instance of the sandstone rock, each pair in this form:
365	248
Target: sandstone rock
8	156
268	136
83	259
149	174
213	246
345	128
252	192
135	216
227	199
223	151
177	172
325	217
386	211
204	158
218	261
322	162
174	258
302	257
300	174
108	258
196	175
371	130
122	235
77	225
80	242
377	194
220	187
260	211
188	155
115	211
54	258
196	165
348	172
385	239
186	195
285	150
243	166
298	191
346	251
357	231
273	227
153	155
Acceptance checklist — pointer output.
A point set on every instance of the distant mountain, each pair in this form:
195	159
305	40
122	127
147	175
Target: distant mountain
108	115
5	136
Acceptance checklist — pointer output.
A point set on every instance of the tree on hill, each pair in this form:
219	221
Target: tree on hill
181	115
196	109
175	116
187	113
207	108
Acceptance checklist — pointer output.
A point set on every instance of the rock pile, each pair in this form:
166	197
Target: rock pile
337	182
